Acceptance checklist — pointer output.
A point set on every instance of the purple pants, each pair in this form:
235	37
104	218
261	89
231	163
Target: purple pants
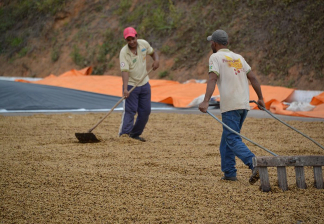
139	101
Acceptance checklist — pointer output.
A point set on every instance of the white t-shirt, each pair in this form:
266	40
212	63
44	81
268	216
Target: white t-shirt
232	81
135	64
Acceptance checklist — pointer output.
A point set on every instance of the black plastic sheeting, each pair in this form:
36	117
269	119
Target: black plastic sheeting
28	96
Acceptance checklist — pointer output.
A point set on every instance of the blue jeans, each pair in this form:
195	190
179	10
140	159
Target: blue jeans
231	144
139	101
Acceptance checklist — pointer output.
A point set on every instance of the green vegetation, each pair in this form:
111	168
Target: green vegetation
124	6
111	46
55	55
106	51
17	16
77	57
17	10
16	41
156	16
277	34
292	34
23	52
163	74
165	49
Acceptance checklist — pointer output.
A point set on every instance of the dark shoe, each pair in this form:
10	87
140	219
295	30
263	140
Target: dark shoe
229	178
138	138
255	176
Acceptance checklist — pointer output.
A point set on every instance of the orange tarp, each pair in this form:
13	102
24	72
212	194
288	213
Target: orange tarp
175	93
317	100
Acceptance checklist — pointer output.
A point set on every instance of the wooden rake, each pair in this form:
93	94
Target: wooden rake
89	137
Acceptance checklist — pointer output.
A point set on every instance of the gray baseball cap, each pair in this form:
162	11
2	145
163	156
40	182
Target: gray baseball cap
219	36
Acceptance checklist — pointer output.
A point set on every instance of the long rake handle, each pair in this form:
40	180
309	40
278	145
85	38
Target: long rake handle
112	109
272	153
271	114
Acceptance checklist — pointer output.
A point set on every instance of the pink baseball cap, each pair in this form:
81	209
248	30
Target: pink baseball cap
129	32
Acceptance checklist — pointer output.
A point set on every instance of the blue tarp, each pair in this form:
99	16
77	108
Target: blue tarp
26	96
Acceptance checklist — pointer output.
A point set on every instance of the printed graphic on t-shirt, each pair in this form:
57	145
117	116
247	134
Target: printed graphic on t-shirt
210	66
236	64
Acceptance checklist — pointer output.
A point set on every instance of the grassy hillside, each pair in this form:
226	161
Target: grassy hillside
281	39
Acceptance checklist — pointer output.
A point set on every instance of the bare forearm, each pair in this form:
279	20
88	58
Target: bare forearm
155	56
211	84
125	77
257	88
156	63
255	84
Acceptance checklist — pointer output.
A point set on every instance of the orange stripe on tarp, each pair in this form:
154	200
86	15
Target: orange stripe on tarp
175	93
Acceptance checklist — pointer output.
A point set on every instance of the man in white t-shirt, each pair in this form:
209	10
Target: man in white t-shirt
232	75
132	60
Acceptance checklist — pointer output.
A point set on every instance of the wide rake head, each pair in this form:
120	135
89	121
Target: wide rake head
86	137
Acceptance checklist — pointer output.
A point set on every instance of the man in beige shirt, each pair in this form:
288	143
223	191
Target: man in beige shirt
232	74
133	67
